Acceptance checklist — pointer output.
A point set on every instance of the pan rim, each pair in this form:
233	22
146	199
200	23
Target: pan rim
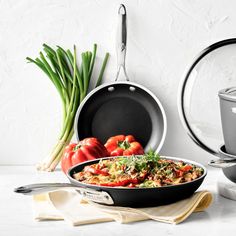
92	92
69	175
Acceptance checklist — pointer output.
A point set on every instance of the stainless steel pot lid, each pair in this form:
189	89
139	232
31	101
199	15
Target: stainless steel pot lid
213	70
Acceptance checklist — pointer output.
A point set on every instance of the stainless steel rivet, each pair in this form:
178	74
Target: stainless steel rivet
132	89
111	89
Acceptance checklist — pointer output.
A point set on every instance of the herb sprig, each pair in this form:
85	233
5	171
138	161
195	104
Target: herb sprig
139	163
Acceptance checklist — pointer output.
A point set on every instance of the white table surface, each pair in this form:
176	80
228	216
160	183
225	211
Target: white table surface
16	216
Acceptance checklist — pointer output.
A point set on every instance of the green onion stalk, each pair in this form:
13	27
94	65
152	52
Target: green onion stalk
72	83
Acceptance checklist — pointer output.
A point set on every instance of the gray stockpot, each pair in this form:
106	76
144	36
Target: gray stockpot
227	102
228	118
122	107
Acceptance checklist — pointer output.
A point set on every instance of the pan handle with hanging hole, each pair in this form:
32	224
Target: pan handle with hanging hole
89	194
121	42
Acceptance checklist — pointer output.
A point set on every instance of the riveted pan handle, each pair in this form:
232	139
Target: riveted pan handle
121	41
89	194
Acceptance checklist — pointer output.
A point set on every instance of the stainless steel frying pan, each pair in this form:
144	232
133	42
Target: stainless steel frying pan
121	196
122	107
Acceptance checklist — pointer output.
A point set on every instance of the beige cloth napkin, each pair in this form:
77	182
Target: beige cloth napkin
69	206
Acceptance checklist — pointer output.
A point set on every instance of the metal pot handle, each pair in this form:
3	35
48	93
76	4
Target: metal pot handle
89	194
121	42
221	163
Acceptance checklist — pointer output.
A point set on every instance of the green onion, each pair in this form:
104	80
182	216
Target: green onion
72	83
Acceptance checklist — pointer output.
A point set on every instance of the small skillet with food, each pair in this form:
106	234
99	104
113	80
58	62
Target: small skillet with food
135	181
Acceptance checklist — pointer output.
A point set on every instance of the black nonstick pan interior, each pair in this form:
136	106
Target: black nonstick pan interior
122	108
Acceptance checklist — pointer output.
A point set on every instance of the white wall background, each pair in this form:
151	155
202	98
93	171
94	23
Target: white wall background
163	38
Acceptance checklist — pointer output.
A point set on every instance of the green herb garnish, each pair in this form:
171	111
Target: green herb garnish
139	163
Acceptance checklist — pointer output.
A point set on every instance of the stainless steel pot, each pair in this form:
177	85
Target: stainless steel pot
227	163
228	118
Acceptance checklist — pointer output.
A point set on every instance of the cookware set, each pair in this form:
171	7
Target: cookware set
124	107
